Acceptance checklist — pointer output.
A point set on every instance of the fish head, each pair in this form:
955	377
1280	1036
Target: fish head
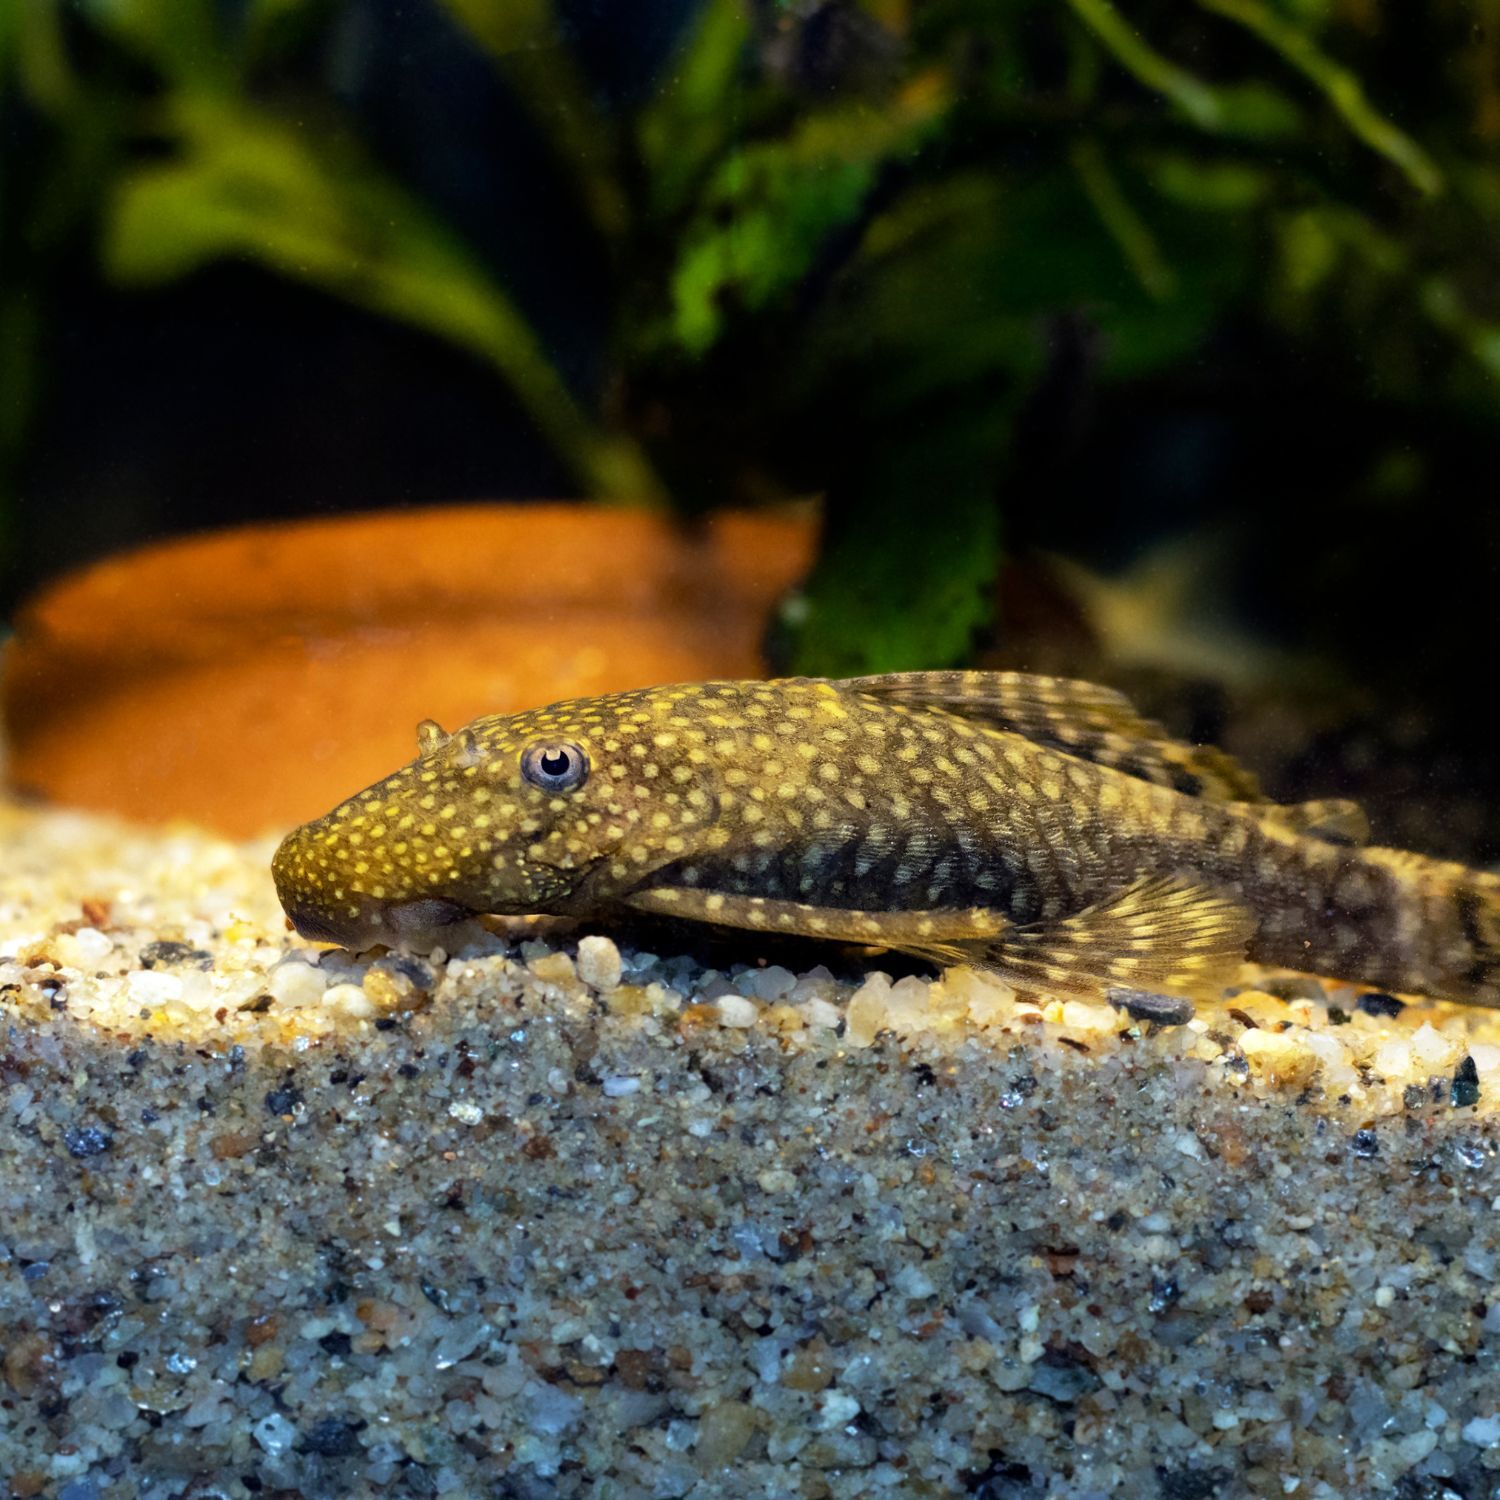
535	813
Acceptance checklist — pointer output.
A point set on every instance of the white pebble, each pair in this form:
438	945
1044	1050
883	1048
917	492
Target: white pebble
349	1000
1338	1071
599	964
91	946
816	984
465	1112
909	1008
911	1282
867	1012
197	992
1392	1060
839	1409
618	1086
293	985
1188	1144
551	1411
1091	1020
988	999
1415	1446
767	984
1432	1050
151	987
820	1015
553	968
735	1010
776	1180
274	1434
1483	1432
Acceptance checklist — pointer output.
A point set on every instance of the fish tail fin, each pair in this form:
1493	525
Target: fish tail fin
1445	937
1468	957
1162	934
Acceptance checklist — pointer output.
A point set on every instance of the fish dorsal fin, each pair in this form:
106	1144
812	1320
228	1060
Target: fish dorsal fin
1332	819
1079	718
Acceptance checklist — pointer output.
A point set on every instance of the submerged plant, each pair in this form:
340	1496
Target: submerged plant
876	253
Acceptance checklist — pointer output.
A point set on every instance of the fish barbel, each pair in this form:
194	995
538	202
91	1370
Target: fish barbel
1034	825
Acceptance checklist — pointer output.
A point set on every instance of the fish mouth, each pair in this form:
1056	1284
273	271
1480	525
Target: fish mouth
393	924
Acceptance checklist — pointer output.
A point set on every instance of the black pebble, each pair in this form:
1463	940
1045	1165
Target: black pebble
283	1101
87	1140
164	953
1465	1084
332	1438
1164	1292
1294	987
1376	1004
1192	1483
1144	1005
1365	1143
1063	1384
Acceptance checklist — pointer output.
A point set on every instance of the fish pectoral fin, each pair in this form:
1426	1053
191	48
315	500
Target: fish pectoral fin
1163	934
939	933
1079	718
1332	819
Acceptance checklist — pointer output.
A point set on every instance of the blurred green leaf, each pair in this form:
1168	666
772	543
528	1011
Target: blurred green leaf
1441	302
31	41
696	107
1338	85
1255	109
905	576
765	245
1220	186
1125	226
525	40
772	207
252	187
271	26
182	38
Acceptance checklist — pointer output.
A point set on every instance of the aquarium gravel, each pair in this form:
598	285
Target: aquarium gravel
546	1215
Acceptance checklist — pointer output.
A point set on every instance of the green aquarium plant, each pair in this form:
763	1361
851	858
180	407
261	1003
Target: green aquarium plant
849	249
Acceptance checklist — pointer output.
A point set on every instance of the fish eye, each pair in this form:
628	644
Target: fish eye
555	768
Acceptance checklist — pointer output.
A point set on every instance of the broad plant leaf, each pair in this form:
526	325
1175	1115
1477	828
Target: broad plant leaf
697	106
772	207
905	577
249	186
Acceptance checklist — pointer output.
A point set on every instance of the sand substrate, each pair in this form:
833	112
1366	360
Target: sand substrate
542	1218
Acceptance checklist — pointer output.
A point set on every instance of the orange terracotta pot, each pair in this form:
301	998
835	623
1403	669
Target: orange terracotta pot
249	679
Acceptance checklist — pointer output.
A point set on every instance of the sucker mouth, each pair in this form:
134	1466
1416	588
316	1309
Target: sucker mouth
391	925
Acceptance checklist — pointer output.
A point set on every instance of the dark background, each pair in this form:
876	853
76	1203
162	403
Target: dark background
1157	342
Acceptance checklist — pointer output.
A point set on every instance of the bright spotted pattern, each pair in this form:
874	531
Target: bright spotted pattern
1036	825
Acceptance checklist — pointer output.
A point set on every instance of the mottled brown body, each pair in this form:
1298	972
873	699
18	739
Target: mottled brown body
1032	824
